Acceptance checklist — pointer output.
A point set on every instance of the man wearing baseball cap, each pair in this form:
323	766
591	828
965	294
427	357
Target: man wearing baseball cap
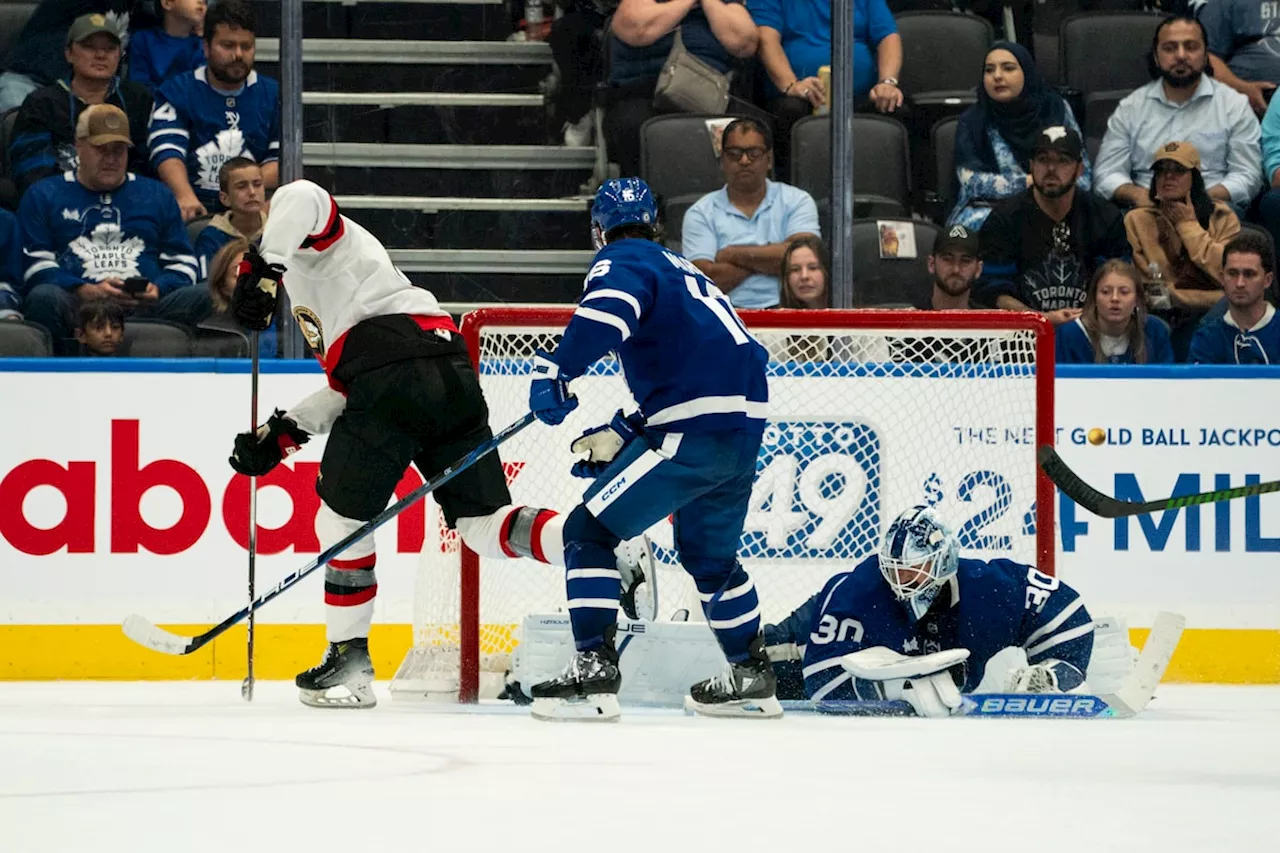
99	232
955	262
43	134
1040	248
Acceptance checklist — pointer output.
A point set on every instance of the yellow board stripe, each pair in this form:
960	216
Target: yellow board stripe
44	652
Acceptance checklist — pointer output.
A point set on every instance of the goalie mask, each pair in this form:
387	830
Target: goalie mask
919	555
621	201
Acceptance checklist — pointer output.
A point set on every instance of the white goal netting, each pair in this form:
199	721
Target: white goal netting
871	412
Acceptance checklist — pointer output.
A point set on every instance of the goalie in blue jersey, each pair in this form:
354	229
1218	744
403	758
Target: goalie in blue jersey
690	451
918	622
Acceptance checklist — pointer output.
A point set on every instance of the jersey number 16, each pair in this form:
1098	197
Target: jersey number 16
718	304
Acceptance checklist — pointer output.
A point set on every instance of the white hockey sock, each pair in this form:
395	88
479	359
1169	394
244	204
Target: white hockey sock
516	531
349	581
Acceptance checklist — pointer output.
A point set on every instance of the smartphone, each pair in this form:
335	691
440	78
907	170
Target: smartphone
135	285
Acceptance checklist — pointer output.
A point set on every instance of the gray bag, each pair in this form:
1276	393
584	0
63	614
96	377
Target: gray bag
689	85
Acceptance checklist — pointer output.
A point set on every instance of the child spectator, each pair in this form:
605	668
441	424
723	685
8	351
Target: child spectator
170	49
1248	333
804	274
100	327
10	267
242	191
223	269
1114	327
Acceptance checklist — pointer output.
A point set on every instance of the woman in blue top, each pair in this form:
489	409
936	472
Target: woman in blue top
1114	327
641	35
996	136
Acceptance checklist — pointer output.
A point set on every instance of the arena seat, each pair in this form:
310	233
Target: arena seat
23	338
881	166
155	339
890	281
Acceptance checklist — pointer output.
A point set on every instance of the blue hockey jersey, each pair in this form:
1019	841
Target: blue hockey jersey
155	56
688	359
74	236
11	287
206	128
1072	345
1222	341
990	606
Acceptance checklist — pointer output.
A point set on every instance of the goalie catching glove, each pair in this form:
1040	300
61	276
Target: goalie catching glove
257	452
257	292
603	443
923	681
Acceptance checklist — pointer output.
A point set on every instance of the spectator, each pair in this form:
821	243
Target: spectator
955	264
217	112
1247	333
995	137
241	192
223	270
737	235
1182	102
1178	240
642	33
1243	47
795	41
804	274
44	133
577	46
100	232
170	49
1114	326
1269	203
10	267
100	327
1039	248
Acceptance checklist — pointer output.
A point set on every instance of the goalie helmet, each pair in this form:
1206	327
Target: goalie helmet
919	555
621	201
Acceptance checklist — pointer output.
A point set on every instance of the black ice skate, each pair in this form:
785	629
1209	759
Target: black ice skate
586	690
345	665
746	689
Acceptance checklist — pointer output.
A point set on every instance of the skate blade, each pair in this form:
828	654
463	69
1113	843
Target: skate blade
360	696
764	709
598	708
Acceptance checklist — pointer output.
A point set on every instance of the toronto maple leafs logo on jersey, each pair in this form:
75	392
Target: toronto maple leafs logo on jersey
210	157
1057	284
102	247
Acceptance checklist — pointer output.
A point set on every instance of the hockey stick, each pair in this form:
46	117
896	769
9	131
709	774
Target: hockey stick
1129	699
146	633
246	688
1104	506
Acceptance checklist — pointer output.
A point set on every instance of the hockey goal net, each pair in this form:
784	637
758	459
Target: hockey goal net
871	412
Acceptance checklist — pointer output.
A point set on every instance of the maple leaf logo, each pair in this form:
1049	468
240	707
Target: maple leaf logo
105	252
226	145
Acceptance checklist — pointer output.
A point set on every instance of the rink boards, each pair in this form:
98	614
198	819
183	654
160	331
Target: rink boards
92	527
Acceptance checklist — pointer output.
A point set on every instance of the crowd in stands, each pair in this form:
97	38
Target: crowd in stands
144	149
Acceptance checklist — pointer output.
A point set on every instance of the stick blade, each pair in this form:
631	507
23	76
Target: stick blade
144	633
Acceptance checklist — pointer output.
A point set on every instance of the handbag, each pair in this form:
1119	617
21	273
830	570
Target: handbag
686	84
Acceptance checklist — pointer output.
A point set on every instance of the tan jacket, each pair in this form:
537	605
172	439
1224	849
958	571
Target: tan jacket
1188	255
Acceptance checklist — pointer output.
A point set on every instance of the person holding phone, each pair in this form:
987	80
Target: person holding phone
1178	240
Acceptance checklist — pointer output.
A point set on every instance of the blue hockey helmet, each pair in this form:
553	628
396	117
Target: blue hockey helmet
919	555
621	201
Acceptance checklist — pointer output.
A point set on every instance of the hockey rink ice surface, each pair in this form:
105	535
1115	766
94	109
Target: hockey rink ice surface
181	767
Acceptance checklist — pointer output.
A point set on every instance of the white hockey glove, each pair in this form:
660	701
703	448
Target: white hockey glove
923	681
1051	676
601	444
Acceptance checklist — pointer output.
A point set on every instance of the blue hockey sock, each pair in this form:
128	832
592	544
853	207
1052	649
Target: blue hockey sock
593	586
732	610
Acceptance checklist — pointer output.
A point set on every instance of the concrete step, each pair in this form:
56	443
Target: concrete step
378	19
487	287
438	118
497	230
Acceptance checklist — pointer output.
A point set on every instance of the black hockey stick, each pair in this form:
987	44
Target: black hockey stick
146	633
1105	506
246	687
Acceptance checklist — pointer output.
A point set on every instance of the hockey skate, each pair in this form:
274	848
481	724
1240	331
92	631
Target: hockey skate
587	690
639	585
746	689
345	665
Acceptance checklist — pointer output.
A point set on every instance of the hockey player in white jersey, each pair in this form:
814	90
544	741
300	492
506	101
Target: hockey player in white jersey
400	389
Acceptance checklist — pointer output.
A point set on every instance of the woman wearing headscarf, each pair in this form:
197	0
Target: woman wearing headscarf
995	137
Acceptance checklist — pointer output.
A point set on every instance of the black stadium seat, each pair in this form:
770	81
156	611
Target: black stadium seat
896	281
155	339
881	163
21	338
679	164
1104	57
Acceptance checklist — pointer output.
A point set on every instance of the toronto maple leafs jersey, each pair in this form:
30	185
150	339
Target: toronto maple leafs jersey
1222	341
339	276
986	607
74	235
206	127
689	361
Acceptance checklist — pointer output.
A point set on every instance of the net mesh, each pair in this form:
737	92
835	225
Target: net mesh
864	423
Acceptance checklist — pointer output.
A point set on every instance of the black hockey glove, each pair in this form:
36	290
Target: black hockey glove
257	452
257	292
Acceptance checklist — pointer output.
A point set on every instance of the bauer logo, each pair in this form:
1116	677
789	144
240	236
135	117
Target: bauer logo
1043	706
816	493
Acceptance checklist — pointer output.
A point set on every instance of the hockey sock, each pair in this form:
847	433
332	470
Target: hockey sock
349	581
732	610
516	531
592	581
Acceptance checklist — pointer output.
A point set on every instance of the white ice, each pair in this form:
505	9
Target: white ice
182	767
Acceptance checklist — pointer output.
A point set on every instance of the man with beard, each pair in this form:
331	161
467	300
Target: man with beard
1040	248
955	264
218	112
1182	102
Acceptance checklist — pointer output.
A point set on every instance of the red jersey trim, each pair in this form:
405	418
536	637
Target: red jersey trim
330	234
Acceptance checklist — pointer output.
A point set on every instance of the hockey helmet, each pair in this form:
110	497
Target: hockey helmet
621	201
919	555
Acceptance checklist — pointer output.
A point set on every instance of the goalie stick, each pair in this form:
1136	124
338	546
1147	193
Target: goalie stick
1105	506
1129	699
146	633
